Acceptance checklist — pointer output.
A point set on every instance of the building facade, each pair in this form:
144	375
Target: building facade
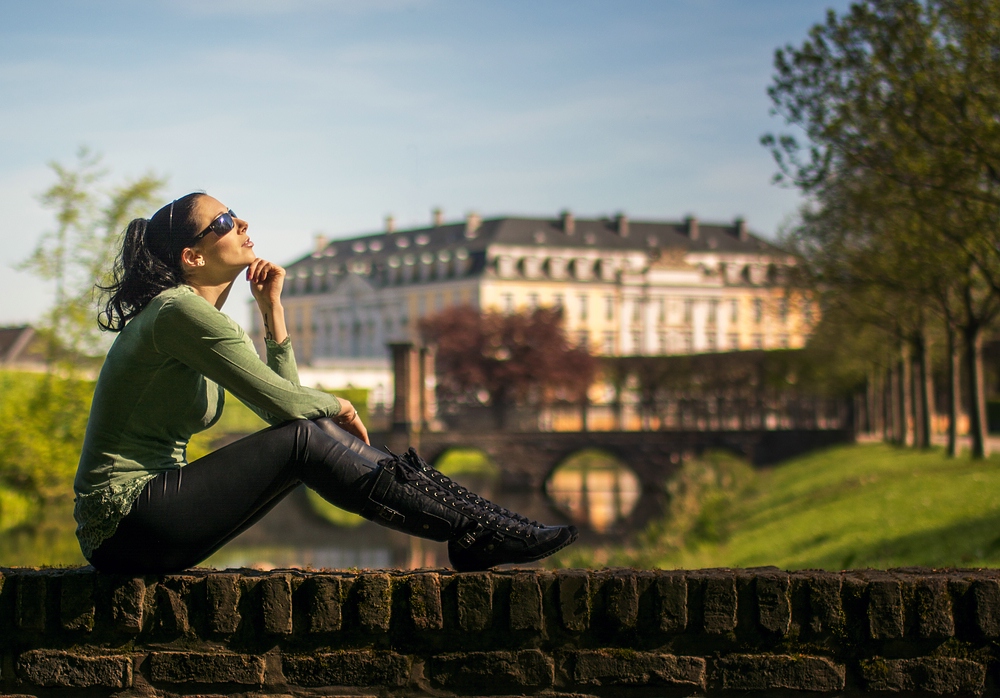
626	288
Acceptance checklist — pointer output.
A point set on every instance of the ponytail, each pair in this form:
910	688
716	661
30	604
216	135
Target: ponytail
148	262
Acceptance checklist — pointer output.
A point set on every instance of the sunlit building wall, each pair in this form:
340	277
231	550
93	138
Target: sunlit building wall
625	287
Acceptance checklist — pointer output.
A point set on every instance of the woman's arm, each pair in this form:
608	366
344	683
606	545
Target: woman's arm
266	281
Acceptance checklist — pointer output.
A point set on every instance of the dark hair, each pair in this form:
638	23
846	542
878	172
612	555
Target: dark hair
149	261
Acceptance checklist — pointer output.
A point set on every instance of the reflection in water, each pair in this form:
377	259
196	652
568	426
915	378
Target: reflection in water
595	489
46	538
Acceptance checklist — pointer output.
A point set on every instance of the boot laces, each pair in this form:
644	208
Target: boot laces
408	470
460	491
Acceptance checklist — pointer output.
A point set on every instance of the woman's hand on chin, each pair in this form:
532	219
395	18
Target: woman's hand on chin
266	281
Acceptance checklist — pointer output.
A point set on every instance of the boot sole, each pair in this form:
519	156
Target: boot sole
574	534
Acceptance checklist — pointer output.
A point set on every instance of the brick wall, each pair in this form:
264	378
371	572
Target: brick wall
608	633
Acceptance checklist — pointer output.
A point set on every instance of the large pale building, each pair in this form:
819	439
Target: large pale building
626	288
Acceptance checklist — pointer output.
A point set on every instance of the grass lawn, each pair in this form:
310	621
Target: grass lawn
848	507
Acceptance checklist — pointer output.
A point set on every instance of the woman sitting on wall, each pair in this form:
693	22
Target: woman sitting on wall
142	508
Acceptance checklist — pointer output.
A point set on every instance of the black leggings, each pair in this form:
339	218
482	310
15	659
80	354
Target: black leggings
182	516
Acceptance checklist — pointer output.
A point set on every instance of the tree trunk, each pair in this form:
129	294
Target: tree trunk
977	392
889	405
924	393
896	413
871	414
914	389
954	390
905	394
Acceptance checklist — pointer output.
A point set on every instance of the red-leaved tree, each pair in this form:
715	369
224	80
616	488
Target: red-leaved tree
515	358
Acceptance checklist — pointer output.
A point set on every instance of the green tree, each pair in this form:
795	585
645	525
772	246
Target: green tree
896	105
77	254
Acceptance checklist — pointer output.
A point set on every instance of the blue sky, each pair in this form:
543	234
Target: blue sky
310	116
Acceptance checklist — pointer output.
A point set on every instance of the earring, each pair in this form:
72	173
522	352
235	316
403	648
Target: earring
201	262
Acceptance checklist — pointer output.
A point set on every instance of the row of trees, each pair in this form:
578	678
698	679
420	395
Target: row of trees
894	109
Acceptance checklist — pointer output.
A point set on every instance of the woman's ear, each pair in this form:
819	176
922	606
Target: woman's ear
192	258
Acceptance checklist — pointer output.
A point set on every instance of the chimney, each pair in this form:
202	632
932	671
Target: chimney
437	216
741	229
568	223
621	224
390	224
321	242
692	227
472	223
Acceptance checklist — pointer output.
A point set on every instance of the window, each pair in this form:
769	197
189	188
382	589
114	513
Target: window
661	310
583	307
507	300
758	341
609	343
758	310
734	311
688	341
783	310
713	311
532	301
583	339
637	343
421	305
439	302
636	311
807	312
783	341
734	341
710	340
661	342
688	310
558	300
609	307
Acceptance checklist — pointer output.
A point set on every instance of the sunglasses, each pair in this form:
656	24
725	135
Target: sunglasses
220	226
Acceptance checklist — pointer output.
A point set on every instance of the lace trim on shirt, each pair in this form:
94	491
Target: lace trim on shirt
99	513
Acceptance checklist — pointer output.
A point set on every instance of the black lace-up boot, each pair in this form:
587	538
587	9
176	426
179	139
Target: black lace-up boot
408	495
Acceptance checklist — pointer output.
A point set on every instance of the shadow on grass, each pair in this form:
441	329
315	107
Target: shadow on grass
973	543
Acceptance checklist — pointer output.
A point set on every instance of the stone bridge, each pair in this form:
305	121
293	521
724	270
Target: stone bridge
609	634
526	459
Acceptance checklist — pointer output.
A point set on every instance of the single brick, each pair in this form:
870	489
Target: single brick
525	602
774	610
206	667
885	609
475	602
622	605
324	604
672	600
127	603
574	599
826	608
935	615
374	599
720	603
986	607
748	672
76	601
492	672
347	668
29	601
58	669
938	675
276	604
171	611
222	595
617	667
425	601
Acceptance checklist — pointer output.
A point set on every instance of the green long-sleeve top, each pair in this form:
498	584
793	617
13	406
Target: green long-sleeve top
164	380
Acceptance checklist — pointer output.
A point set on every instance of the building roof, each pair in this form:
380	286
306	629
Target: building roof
582	234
